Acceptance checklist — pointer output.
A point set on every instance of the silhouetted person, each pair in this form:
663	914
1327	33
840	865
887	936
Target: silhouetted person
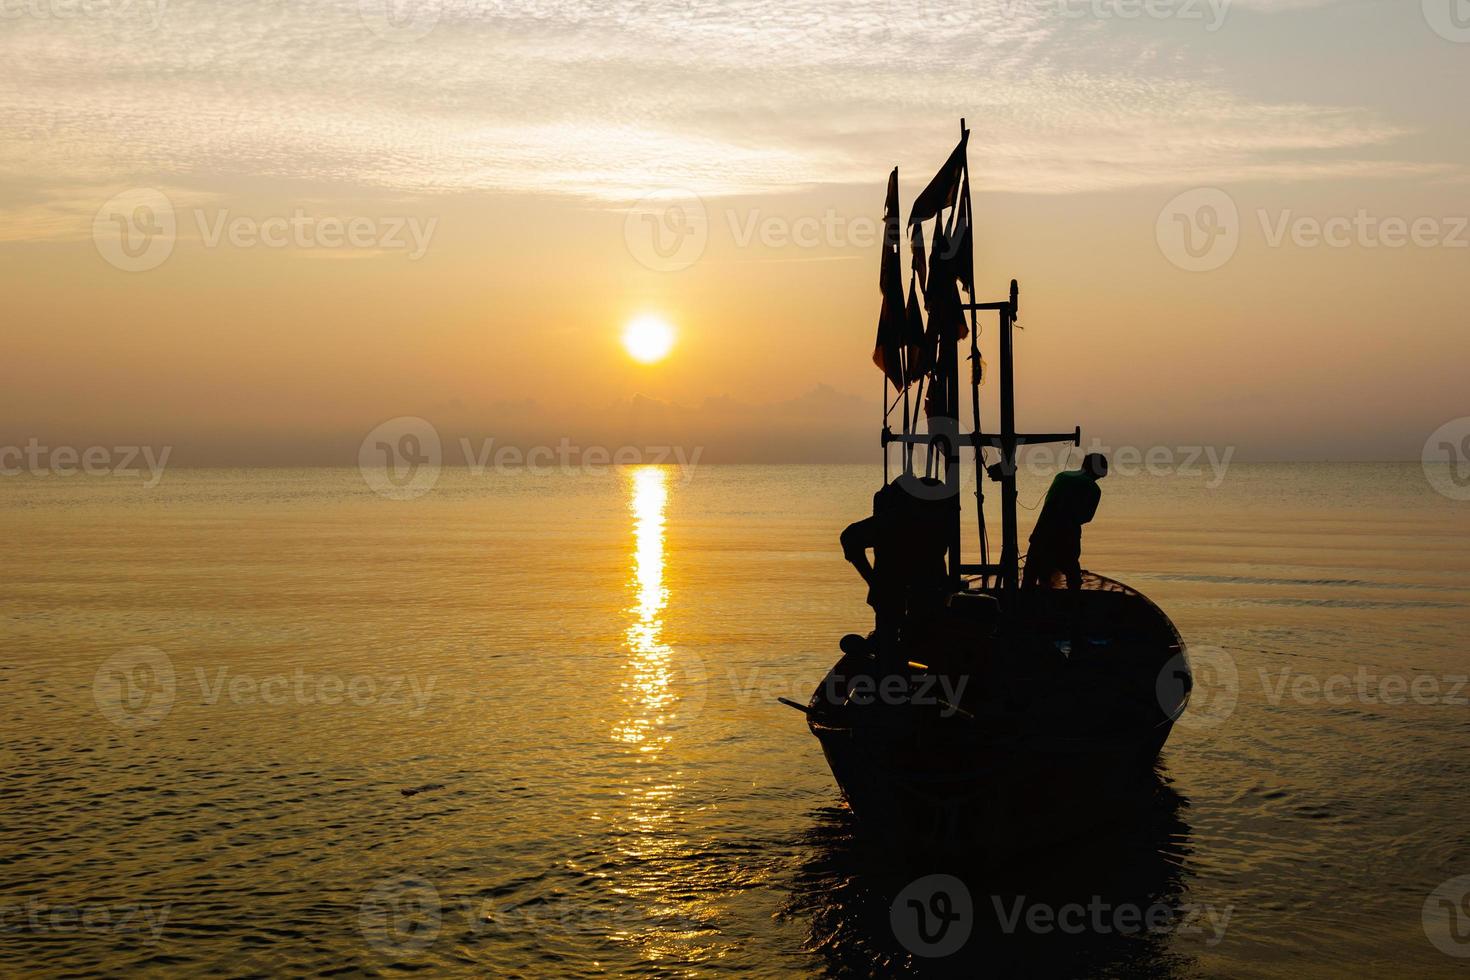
907	576
1056	541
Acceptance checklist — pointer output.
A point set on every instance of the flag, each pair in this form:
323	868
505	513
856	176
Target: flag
888	348
962	245
944	188
920	264
918	354
942	299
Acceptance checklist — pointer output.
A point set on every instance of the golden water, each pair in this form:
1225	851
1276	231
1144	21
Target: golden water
215	691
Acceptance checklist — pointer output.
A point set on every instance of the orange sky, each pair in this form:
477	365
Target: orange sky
507	324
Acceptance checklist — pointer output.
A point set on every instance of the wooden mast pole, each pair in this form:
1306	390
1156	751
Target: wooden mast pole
951	357
883	403
975	364
1009	553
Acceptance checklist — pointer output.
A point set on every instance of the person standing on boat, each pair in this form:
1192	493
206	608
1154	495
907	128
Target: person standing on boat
906	533
1056	541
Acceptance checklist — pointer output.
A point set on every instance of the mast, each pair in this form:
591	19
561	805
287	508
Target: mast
944	434
975	372
949	434
1009	552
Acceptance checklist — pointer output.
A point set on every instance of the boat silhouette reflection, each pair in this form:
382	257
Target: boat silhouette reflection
1081	909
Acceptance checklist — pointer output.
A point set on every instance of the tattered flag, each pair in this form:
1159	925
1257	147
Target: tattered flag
918	353
944	188
920	264
888	348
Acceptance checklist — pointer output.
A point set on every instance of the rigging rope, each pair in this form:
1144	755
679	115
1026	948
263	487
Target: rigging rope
1039	499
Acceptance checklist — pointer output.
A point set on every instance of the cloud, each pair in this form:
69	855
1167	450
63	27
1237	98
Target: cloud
608	101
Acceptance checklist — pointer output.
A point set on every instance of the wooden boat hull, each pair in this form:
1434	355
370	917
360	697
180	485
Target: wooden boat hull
1010	770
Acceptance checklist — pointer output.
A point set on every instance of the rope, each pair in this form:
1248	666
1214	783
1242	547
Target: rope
1039	499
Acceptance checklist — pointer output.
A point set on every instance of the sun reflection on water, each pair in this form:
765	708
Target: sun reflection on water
660	878
648	688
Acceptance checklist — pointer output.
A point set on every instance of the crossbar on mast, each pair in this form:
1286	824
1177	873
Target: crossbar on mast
950	442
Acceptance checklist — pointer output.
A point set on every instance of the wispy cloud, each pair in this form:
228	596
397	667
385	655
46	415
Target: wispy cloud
610	100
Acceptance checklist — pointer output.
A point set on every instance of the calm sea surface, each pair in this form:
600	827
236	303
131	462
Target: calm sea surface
215	692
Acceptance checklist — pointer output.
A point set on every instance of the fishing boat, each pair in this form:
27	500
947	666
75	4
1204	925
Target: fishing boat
1021	714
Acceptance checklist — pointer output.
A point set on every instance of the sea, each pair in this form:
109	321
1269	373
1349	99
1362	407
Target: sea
524	723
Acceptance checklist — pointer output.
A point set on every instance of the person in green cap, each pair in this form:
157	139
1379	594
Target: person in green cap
1056	541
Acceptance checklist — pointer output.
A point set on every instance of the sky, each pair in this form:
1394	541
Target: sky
254	231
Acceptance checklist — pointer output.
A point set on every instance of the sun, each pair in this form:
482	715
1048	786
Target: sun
648	338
